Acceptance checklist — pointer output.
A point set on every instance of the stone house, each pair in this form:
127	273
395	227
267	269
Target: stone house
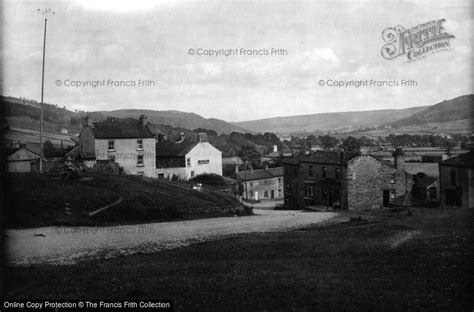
185	159
260	184
457	181
24	159
344	180
128	142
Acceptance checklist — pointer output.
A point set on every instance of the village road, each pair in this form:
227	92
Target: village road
68	245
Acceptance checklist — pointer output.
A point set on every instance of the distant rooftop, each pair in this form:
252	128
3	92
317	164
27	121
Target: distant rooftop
464	160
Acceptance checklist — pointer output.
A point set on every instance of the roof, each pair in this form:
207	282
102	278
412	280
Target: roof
260	174
324	157
174	149
23	154
463	160
423	180
114	128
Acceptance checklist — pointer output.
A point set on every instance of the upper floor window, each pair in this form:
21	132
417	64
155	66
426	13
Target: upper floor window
392	179
111	145
324	173
203	162
192	174
279	180
337	173
139	144
188	162
310	171
453	177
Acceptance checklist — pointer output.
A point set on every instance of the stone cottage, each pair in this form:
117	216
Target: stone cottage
130	143
344	180
260	184
457	181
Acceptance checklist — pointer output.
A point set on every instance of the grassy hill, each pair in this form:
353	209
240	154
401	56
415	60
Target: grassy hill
177	119
38	200
343	121
460	108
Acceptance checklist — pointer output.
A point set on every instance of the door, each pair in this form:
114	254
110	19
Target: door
272	194
386	197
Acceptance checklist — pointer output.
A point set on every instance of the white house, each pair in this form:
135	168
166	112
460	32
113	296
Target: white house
184	159
129	142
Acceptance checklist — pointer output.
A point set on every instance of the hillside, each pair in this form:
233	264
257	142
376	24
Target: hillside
343	121
177	119
460	108
35	200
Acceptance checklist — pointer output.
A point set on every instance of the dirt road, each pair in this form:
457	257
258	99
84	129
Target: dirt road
68	245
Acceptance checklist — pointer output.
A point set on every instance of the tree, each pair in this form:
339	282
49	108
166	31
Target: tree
50	150
249	152
350	144
328	141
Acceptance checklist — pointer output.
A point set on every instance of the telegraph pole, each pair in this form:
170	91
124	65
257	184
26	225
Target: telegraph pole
45	13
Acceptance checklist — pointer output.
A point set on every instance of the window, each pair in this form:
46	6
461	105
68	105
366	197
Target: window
310	171
111	145
141	173
432	191
279	193
393	194
139	160
309	190
279	180
161	176
324	173
265	194
392	179
192	174
453	177
251	184
139	144
203	162
296	172
188	162
337	174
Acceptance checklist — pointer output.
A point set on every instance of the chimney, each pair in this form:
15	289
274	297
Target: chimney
143	120
236	167
87	121
399	158
251	169
202	137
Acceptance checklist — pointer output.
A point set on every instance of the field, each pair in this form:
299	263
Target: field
38	200
388	261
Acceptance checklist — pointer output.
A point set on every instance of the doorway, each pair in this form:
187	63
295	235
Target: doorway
386	197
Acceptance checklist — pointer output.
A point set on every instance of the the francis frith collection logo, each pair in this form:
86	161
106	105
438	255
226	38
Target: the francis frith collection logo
415	42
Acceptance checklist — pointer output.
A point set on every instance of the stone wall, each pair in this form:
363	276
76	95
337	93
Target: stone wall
368	177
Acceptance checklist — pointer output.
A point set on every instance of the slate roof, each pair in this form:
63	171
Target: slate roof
174	149
260	174
324	157
121	129
464	160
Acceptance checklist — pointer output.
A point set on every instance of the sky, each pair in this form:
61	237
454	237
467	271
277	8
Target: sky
143	54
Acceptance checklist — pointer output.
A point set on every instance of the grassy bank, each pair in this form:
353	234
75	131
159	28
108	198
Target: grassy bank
389	261
39	200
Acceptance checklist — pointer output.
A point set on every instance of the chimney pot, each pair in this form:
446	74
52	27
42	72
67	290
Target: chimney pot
143	120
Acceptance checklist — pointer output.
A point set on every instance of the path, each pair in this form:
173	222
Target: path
68	245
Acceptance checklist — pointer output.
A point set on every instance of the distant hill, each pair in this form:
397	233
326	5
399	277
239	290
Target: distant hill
176	119
344	121
460	108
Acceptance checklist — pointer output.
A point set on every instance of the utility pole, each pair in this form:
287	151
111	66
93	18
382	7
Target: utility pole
45	13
